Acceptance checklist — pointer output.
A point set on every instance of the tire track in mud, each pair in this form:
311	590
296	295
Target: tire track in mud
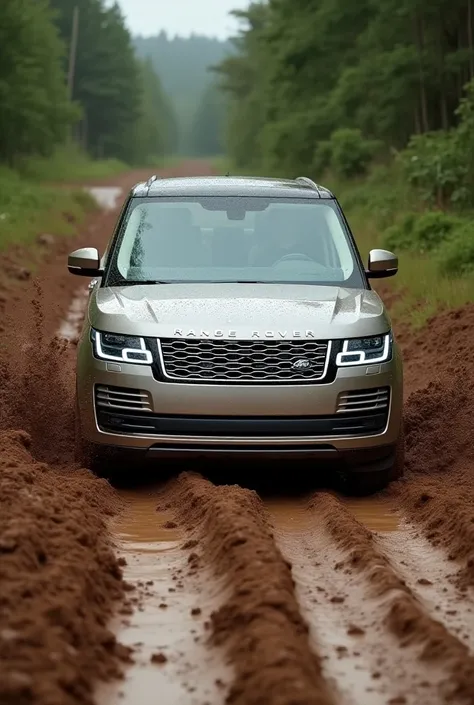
406	616
259	624
320	609
166	624
362	660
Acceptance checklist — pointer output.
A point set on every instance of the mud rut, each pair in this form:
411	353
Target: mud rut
237	588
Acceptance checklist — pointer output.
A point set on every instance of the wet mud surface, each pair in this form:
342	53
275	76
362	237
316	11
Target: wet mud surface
211	586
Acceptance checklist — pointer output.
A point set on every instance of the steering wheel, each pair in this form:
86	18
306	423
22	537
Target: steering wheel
293	256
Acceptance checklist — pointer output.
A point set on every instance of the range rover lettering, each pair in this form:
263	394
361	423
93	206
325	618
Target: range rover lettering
234	316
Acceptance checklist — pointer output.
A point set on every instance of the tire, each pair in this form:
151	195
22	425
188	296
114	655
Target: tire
365	483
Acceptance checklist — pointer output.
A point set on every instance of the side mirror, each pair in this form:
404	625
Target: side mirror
382	263
85	262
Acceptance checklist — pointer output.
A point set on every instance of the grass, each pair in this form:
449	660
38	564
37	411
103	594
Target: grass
424	290
29	209
72	165
30	203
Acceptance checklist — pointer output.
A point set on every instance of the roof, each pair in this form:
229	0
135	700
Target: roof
301	187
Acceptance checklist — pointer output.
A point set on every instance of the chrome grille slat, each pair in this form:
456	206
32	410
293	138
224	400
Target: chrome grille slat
364	395
243	361
363	400
109	392
116	398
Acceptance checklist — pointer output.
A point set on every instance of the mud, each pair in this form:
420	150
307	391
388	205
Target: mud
192	591
260	624
58	579
165	625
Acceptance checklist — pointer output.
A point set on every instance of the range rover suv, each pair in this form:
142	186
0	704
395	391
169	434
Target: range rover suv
234	316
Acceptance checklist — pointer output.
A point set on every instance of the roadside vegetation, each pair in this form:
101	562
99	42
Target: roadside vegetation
77	105
377	101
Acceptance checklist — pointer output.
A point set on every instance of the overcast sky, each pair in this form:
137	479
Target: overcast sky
211	17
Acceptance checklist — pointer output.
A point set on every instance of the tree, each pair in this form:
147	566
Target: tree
107	76
35	111
207	125
304	69
155	131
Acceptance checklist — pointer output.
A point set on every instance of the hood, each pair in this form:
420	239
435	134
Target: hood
238	311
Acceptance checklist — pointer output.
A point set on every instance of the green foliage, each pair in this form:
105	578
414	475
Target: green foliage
434	163
241	77
29	209
117	110
35	112
206	129
350	153
400	235
124	112
69	163
422	232
455	258
303	72
154	134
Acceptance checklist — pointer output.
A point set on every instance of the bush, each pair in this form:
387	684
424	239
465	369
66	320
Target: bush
455	257
422	233
435	164
322	157
400	235
351	153
432	229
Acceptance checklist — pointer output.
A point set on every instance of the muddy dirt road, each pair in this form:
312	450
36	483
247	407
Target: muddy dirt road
213	585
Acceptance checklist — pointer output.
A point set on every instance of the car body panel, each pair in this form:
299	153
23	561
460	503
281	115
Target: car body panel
238	310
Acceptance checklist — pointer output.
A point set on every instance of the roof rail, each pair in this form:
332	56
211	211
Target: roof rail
309	182
143	187
151	180
322	192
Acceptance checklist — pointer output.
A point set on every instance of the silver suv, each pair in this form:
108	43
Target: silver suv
234	316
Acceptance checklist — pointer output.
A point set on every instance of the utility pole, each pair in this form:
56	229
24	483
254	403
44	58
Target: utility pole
73	51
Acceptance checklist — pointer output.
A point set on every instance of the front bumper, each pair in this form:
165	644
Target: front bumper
277	420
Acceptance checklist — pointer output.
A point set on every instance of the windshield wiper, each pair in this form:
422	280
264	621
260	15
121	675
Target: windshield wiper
145	282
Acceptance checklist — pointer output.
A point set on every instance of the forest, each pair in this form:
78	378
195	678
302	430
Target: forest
375	97
184	65
67	74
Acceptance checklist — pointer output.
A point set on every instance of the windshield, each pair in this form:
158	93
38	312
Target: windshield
234	239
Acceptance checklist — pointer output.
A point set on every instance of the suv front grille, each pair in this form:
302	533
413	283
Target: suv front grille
244	361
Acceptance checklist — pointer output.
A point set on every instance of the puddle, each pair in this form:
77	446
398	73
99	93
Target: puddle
375	513
71	325
186	670
106	196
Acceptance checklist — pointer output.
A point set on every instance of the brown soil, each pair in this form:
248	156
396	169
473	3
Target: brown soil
405	617
274	608
437	492
59	577
260	624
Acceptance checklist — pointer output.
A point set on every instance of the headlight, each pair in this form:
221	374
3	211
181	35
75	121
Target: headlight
120	348
363	351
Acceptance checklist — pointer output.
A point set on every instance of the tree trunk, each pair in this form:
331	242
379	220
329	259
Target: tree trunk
469	39
419	24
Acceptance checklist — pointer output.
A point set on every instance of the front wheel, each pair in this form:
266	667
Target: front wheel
368	482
